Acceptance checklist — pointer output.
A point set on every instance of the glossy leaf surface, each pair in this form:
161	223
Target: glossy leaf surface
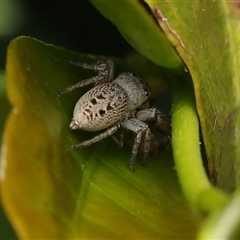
138	27
5	229
50	190
206	36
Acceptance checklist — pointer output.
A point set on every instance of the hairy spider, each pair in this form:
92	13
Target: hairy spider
115	103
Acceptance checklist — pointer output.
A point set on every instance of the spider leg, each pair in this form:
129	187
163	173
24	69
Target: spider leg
99	66
99	137
105	71
83	83
153	114
146	145
119	141
140	128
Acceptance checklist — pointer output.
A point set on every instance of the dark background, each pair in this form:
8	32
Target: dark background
75	25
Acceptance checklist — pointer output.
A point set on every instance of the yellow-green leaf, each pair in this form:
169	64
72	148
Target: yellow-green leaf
50	190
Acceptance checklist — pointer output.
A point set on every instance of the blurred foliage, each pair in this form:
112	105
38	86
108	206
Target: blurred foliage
5	229
12	16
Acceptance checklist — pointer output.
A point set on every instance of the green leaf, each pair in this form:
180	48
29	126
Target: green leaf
203	197
50	190
206	36
4	104
139	28
6	229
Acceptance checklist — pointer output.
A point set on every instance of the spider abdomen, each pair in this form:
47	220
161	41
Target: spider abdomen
100	107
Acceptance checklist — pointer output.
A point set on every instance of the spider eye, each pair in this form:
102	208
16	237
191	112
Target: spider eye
134	74
146	92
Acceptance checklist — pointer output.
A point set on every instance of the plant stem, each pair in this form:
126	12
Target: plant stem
203	197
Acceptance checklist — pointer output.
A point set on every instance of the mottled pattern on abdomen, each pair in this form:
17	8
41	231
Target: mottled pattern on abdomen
101	107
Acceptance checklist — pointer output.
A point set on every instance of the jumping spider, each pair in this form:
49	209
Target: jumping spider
115	103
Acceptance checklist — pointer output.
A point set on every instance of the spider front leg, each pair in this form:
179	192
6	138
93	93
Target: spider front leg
142	131
105	74
153	114
159	126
